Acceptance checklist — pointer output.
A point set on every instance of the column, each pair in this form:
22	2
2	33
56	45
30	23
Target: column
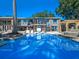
6	27
12	22
50	25
66	26
44	25
59	26
76	25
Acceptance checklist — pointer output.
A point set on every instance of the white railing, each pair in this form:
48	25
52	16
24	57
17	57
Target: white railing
6	27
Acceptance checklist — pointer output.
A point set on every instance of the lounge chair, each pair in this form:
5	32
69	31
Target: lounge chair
38	30
32	31
27	31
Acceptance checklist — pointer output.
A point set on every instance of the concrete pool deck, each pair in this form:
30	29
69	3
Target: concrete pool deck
10	36
74	37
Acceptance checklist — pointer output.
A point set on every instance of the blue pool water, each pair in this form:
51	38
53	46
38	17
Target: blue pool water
40	46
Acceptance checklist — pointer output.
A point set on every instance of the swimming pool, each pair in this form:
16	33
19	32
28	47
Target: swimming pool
40	46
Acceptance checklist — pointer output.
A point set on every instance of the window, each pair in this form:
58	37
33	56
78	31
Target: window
1	23
47	28
48	24
40	20
8	22
78	27
54	28
72	25
55	21
63	27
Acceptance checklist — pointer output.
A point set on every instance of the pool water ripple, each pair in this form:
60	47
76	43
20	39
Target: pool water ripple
40	46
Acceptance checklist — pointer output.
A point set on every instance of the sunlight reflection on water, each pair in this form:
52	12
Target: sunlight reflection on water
42	46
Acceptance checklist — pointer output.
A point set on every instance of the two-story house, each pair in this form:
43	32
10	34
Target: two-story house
44	23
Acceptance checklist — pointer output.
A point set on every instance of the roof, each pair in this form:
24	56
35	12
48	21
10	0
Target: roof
49	17
23	18
6	17
69	21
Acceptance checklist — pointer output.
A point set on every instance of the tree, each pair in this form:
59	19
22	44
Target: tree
44	13
68	9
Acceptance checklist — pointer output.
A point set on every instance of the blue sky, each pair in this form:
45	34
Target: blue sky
25	8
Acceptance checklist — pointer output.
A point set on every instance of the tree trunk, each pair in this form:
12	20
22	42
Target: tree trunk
14	17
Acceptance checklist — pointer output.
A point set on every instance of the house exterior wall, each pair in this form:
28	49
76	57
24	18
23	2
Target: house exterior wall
39	22
45	23
6	23
24	23
54	24
67	22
